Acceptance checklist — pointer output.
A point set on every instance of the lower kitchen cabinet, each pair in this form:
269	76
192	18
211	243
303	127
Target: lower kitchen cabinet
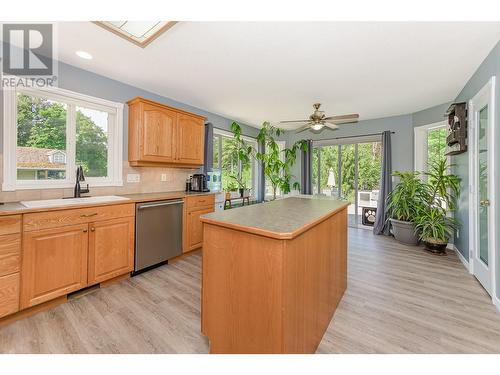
9	294
54	263
195	228
195	206
111	249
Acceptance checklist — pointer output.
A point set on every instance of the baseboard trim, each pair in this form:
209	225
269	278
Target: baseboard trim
464	261
496	302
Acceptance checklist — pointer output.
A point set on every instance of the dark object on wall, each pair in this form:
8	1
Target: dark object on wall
368	215
457	129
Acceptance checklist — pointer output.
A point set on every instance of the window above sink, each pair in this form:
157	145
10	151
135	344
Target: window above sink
48	132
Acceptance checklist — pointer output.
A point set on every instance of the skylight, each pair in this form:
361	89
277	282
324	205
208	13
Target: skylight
140	33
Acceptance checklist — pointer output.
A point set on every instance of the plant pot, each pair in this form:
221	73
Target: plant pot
404	232
435	246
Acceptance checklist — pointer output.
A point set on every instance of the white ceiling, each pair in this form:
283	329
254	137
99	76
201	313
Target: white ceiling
252	72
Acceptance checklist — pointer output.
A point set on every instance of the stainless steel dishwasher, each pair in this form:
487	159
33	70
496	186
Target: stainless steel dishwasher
158	233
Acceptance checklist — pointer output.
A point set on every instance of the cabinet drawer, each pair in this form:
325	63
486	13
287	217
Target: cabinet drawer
200	201
9	294
10	224
10	254
54	219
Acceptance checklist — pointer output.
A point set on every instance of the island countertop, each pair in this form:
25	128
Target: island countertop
280	219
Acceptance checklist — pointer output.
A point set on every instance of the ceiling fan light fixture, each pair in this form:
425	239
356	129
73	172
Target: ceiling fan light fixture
317	126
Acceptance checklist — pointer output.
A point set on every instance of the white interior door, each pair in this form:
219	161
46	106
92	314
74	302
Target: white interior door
482	203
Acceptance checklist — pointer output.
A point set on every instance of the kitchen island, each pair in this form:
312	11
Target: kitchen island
273	274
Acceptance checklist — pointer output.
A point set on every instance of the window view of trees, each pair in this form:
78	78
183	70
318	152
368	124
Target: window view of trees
230	165
436	145
41	129
92	141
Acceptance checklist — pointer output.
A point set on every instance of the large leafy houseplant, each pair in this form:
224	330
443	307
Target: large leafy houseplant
418	209
408	196
432	222
241	151
404	203
277	169
435	228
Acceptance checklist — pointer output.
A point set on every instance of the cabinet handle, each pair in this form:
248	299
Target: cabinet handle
92	229
85	231
88	215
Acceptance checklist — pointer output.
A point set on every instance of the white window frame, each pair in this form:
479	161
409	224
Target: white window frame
420	152
255	166
72	99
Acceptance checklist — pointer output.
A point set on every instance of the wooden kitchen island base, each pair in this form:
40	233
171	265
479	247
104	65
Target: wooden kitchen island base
271	289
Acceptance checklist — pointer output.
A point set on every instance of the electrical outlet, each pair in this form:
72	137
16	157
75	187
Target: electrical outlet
163	177
133	177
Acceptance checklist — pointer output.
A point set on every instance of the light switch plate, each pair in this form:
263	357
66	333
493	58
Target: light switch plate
133	177
163	177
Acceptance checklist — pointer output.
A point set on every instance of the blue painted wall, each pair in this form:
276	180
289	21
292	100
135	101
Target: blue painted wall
85	82
402	140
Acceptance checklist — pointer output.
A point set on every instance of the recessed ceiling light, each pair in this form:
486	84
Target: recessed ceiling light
84	55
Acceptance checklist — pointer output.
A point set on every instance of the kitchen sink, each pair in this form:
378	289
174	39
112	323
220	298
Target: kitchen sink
71	201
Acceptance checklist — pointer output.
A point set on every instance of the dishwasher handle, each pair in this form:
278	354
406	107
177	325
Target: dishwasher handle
169	203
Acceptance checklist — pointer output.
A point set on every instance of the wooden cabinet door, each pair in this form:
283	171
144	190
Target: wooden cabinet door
54	263
190	140
9	294
194	230
111	249
158	134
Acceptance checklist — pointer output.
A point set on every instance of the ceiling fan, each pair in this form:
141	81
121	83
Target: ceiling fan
317	120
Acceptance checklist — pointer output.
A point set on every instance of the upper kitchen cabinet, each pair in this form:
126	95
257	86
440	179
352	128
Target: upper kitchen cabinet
160	135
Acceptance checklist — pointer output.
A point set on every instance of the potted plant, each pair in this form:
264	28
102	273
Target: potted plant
435	229
243	152
405	202
231	187
432	222
276	163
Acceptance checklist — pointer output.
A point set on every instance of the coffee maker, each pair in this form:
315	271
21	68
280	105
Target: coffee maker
199	183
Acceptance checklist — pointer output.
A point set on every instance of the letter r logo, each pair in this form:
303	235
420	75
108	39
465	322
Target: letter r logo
27	49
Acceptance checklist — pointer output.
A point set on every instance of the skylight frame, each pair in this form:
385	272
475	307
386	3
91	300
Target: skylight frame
107	25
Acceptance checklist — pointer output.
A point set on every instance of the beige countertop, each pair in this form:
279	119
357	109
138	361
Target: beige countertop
16	208
282	219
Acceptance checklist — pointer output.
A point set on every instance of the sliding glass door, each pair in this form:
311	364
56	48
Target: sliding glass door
350	171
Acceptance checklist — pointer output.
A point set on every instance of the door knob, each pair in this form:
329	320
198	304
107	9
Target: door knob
485	202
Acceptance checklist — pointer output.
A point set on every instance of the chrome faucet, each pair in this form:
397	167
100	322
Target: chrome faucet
80	177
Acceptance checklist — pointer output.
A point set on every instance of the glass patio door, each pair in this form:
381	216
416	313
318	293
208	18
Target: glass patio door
351	172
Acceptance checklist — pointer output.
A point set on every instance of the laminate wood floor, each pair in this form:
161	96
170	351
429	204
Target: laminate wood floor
399	299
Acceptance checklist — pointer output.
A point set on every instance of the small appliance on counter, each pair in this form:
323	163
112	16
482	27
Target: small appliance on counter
199	183
214	180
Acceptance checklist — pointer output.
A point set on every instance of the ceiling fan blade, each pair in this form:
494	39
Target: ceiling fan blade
352	116
294	122
341	122
304	128
332	126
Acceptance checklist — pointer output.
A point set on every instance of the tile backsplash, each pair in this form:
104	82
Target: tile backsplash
150	182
